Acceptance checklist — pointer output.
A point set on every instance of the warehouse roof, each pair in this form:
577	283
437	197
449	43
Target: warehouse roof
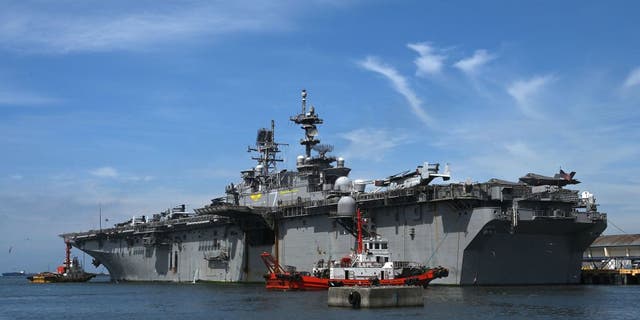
620	240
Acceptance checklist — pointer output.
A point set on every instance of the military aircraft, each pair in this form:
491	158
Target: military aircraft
424	174
560	179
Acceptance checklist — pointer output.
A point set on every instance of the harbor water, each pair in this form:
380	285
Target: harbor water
101	299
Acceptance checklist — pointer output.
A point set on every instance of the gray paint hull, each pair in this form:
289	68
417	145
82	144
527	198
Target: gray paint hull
476	245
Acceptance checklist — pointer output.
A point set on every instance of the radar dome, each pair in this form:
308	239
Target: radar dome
346	207
343	184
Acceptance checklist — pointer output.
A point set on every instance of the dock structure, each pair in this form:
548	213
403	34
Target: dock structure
612	259
613	276
376	297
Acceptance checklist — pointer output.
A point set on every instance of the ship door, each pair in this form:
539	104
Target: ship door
381	275
175	262
346	274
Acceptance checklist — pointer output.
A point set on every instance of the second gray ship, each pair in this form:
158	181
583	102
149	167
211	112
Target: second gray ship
498	232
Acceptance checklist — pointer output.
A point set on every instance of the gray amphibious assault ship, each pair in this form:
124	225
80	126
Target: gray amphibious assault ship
493	233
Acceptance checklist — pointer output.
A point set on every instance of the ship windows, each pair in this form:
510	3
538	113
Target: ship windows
209	245
377	246
384	245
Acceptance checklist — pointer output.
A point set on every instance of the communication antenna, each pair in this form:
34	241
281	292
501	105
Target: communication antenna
308	123
304	101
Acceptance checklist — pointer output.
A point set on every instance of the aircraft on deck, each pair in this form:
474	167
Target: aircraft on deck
560	179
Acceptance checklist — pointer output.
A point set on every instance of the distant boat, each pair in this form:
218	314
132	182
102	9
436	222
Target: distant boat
20	273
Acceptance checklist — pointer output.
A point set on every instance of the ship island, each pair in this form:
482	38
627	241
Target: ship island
530	231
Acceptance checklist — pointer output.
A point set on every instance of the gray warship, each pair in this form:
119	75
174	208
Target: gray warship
533	231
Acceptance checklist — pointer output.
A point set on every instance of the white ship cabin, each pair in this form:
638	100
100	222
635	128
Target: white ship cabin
373	262
376	249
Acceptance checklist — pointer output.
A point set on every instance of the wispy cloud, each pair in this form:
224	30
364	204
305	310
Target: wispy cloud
113	173
22	98
429	62
521	150
633	79
38	27
399	84
138	178
105	172
525	91
372	143
471	64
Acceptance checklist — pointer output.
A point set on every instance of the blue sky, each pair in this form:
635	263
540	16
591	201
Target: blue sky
140	106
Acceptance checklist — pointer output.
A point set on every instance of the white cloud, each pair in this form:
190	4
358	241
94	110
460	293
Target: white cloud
16	177
429	62
471	64
105	172
399	83
372	143
130	26
524	91
633	79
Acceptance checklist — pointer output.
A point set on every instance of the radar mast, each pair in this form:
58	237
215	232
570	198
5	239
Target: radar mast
268	150
308	121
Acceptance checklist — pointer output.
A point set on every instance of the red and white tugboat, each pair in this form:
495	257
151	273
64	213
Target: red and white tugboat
70	271
370	265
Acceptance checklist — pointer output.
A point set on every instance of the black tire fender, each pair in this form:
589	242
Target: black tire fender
354	299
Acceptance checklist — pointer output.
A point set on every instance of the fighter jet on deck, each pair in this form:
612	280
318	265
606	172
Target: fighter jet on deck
559	179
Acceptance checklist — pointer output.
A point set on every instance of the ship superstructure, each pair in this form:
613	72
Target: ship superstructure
498	232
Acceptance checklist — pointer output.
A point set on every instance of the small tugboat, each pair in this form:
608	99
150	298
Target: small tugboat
370	265
71	271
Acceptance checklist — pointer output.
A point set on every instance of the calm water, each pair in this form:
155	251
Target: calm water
104	300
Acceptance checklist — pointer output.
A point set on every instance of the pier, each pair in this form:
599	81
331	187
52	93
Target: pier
611	276
612	259
375	297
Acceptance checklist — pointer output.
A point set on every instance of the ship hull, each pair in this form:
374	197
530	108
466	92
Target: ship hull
477	246
219	253
474	244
